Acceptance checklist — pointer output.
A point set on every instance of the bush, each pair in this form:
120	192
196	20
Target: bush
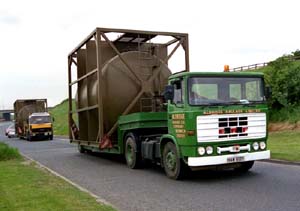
290	114
296	53
8	153
283	76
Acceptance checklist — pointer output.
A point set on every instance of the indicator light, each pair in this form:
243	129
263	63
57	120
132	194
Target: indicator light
262	145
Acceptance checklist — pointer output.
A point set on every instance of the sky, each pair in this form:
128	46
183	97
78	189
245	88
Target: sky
36	36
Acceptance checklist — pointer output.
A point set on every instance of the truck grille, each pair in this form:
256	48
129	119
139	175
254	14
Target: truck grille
39	130
228	127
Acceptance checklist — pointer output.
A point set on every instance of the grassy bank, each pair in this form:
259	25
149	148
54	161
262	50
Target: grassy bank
285	145
25	187
290	114
60	115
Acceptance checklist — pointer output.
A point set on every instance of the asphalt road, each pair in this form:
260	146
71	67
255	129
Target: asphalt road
266	187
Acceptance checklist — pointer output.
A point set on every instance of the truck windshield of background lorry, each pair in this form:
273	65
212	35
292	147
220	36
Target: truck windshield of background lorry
39	119
225	90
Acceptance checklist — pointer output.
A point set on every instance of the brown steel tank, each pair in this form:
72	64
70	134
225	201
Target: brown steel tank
24	108
118	72
121	87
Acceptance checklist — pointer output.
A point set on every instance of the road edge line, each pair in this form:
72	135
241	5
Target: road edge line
283	162
98	199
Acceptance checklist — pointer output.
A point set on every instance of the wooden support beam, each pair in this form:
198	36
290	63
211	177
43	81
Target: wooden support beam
70	93
101	84
173	51
121	57
84	76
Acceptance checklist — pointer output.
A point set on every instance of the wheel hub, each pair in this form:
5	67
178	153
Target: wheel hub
129	154
171	160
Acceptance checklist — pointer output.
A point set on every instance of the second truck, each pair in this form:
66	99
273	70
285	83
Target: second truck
32	120
128	102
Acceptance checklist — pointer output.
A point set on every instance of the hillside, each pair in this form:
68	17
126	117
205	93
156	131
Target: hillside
60	114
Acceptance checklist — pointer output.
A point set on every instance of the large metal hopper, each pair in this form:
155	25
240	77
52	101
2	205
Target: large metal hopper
24	108
113	78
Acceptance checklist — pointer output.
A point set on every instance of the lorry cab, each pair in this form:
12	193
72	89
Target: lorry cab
40	125
216	120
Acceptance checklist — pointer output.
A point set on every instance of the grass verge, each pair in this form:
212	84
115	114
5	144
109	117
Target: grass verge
8	153
24	187
285	145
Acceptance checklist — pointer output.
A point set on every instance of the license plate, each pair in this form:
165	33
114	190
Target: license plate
45	134
235	159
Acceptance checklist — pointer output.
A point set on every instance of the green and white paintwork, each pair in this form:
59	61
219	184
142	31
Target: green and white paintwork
187	146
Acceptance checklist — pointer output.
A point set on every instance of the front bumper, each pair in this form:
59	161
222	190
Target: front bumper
11	134
223	159
41	134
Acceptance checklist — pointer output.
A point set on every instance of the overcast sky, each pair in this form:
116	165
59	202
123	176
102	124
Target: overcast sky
36	36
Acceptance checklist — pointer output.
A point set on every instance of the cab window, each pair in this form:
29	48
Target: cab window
178	92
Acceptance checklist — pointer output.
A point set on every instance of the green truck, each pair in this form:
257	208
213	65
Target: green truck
128	102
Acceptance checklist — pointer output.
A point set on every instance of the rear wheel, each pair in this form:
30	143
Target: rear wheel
81	148
132	152
245	166
174	167
29	138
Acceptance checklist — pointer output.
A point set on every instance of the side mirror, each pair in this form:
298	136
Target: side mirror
53	120
268	92
169	92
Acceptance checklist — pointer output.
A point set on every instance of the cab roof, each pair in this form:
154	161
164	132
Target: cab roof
217	74
40	114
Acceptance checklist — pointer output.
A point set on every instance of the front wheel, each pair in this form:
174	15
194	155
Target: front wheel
245	166
81	148
29	138
174	167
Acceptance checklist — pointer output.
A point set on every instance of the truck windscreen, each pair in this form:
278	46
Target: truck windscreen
39	119
225	90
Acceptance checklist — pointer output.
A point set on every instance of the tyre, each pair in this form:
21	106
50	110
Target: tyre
81	148
51	137
174	167
245	166
29	138
132	152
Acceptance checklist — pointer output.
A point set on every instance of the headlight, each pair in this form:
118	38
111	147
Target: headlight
255	146
262	145
201	150
209	150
